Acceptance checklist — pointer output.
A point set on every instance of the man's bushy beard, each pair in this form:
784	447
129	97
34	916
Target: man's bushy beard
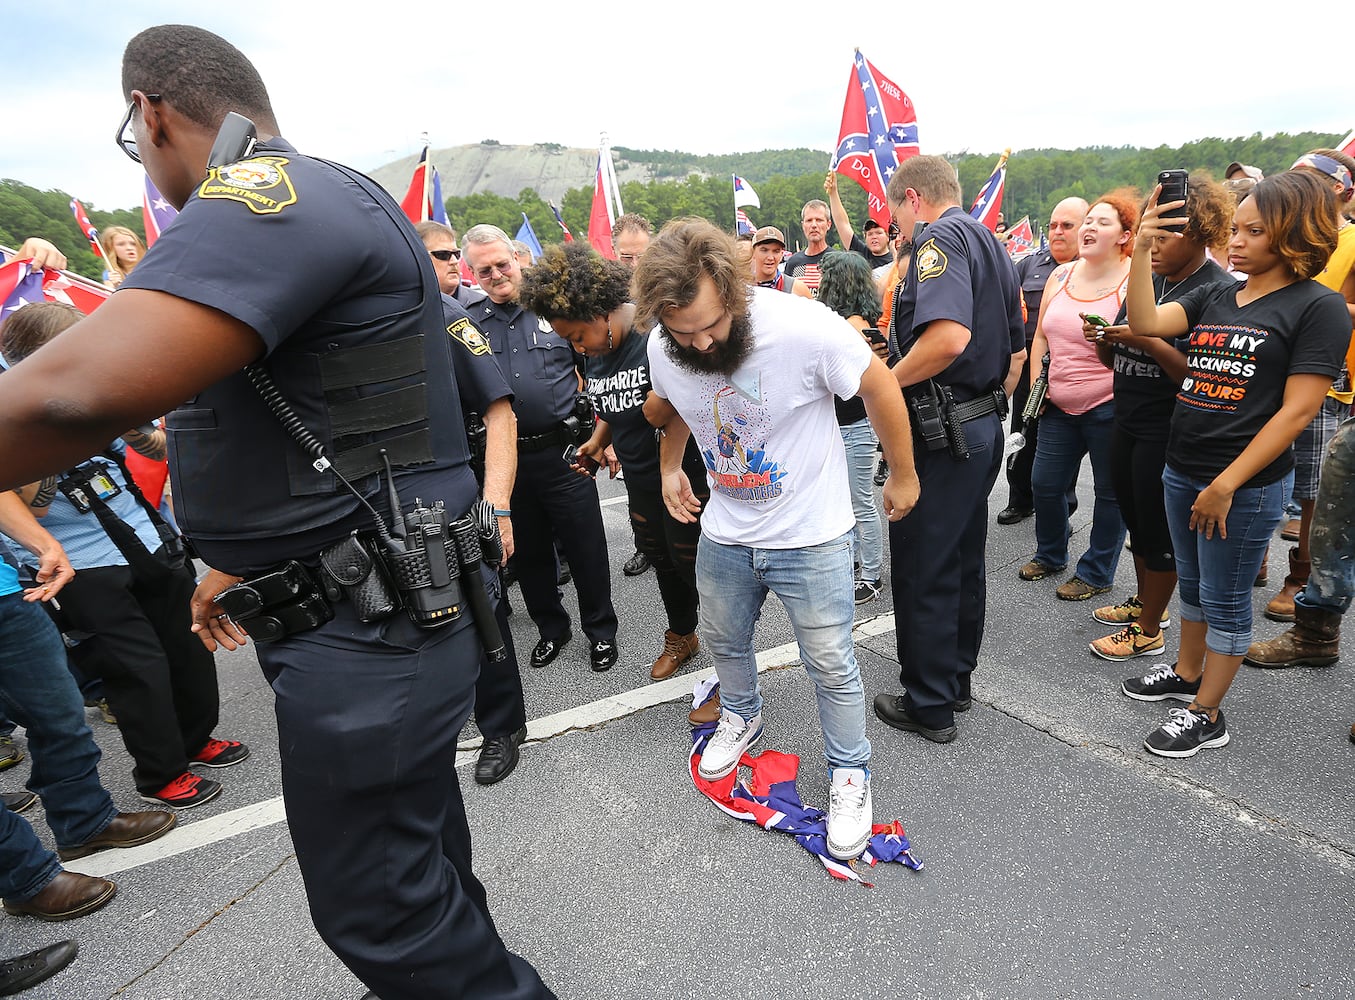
724	359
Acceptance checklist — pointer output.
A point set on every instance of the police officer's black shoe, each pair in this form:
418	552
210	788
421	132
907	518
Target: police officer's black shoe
25	971
603	654
892	711
498	757
548	649
1014	515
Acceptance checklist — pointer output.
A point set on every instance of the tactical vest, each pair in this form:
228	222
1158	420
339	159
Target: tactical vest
246	493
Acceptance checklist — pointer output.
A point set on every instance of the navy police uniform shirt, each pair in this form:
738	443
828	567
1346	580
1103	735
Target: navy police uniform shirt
1033	272
537	363
477	374
322	265
960	272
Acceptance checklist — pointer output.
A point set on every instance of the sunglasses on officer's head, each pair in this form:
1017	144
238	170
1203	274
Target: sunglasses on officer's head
445	255
893	230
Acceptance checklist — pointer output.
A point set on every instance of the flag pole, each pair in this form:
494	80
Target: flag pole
427	166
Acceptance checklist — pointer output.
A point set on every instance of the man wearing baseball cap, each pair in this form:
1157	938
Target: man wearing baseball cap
769	246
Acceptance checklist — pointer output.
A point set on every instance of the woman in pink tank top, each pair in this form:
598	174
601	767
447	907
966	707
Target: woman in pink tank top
1079	414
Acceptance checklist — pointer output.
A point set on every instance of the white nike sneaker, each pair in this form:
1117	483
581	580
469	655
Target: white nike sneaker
849	812
733	735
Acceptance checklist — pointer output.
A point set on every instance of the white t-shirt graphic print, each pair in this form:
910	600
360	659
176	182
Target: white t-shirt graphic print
769	434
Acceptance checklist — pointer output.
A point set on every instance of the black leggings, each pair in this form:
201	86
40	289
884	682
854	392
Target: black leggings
1136	474
670	544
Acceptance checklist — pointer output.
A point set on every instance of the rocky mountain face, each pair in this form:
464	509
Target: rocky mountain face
547	168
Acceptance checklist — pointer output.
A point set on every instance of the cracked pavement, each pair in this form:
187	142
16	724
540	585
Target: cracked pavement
1062	861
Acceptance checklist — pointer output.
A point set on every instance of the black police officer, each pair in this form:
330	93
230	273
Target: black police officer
957	315
550	500
500	711
310	270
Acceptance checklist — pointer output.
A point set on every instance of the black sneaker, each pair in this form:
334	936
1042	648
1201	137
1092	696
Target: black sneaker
1159	684
1186	734
866	591
18	801
881	472
636	564
603	654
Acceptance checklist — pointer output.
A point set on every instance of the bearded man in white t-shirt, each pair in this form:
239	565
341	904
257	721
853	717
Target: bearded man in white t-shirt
752	374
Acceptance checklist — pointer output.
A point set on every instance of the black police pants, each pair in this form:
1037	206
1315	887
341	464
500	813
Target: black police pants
159	679
551	501
500	708
368	718
938	573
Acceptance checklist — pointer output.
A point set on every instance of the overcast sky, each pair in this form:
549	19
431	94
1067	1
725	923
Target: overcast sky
697	76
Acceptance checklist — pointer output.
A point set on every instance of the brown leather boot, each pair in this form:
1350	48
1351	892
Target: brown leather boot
1281	606
1313	641
709	712
66	897
677	650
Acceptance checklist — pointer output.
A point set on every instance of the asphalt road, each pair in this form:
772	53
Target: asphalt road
1061	860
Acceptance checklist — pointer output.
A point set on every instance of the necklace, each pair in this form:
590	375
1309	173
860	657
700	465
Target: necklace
1168	289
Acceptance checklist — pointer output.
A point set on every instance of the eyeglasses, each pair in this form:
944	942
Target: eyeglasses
126	138
503	267
628	258
894	230
446	255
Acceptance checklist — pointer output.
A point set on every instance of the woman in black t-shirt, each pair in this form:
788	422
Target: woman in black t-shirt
586	299
1261	357
1148	373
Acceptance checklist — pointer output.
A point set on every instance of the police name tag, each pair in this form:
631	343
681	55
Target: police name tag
260	182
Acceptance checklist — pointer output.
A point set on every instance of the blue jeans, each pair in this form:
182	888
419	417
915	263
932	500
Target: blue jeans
1064	439
1331	583
38	692
1215	575
815	585
868	544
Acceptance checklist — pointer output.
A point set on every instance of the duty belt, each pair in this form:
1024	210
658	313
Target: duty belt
980	406
559	436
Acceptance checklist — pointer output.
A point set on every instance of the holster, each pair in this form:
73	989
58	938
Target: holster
354	569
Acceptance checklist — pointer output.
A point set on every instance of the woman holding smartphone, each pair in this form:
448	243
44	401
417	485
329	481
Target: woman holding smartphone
1148	371
1261	356
586	298
1078	412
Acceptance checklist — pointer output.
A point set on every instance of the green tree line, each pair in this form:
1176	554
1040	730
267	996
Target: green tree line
25	211
784	180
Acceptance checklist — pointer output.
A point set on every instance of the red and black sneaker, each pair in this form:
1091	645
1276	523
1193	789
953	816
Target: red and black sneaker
186	791
220	753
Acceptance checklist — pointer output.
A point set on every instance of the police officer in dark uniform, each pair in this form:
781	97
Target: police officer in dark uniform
487	404
1033	272
307	272
550	500
957	314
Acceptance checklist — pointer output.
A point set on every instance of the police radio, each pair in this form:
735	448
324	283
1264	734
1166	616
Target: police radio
235	140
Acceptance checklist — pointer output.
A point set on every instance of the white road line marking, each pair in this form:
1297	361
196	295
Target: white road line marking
189	836
613	501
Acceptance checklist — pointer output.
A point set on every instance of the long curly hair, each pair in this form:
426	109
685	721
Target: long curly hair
574	282
847	286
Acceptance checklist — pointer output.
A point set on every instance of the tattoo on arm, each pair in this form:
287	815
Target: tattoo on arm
46	492
151	445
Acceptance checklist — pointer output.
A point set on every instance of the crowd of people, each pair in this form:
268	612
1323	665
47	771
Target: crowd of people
1198	350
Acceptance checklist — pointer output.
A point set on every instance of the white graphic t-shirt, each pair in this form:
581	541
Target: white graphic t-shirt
769	434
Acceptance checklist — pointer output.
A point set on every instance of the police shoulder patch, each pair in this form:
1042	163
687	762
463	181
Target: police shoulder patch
466	333
261	182
931	261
